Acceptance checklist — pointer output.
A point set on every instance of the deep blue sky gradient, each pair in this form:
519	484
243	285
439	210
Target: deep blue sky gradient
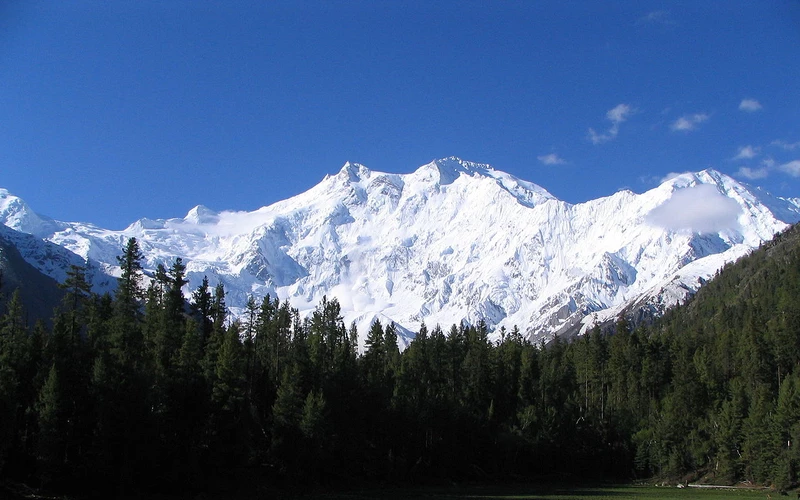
111	111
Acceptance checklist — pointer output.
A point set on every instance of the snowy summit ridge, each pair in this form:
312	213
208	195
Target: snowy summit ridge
452	241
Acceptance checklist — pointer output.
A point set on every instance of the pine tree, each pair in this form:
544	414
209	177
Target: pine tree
787	424
392	362
219	311
201	309
313	426
477	372
170	329
14	376
374	359
758	447
127	337
228	385
52	426
219	314
78	292
312	423
129	288
192	390
286	414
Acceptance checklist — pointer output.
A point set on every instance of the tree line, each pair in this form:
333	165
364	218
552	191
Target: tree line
150	390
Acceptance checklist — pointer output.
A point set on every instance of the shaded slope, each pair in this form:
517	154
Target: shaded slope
39	293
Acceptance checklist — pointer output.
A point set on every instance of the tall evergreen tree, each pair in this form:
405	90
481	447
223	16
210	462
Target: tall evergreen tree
78	291
52	426
201	309
15	360
129	287
287	412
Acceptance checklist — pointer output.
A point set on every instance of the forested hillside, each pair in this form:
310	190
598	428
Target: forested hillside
140	392
732	404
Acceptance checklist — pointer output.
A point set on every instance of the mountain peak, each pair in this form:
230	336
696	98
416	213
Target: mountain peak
706	176
16	214
201	214
354	172
458	164
446	170
712	176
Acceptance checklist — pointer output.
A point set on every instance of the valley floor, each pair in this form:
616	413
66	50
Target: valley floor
552	492
514	491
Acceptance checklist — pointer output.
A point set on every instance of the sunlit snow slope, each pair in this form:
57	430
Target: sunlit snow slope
451	241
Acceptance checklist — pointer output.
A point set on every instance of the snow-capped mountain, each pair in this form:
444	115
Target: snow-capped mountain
452	241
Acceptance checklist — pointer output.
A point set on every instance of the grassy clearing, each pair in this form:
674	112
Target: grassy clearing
538	492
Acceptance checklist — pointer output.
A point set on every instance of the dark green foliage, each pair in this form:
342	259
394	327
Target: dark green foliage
51	408
139	393
129	290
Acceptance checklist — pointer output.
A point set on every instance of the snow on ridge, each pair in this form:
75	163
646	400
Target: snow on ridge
17	215
456	241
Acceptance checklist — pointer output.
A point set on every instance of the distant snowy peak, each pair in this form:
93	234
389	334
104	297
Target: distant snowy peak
710	201
354	172
436	176
202	215
728	186
709	177
17	215
447	170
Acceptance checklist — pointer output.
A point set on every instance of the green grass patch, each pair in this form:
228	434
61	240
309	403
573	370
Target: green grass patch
538	492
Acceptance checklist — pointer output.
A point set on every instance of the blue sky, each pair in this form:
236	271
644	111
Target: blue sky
111	111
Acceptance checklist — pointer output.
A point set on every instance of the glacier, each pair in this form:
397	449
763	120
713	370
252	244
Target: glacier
449	242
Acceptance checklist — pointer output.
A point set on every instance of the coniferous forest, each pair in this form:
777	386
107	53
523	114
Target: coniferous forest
152	391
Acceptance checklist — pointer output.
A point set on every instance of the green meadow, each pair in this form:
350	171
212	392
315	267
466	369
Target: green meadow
537	492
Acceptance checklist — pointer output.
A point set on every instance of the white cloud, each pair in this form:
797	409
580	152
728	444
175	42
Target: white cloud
551	159
749	105
788	146
753	173
617	115
768	165
600	138
661	17
746	153
689	122
792	168
700	209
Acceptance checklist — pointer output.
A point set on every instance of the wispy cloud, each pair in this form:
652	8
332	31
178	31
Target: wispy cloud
753	173
788	146
551	159
670	176
746	153
600	138
792	168
749	105
617	115
689	122
767	166
659	17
